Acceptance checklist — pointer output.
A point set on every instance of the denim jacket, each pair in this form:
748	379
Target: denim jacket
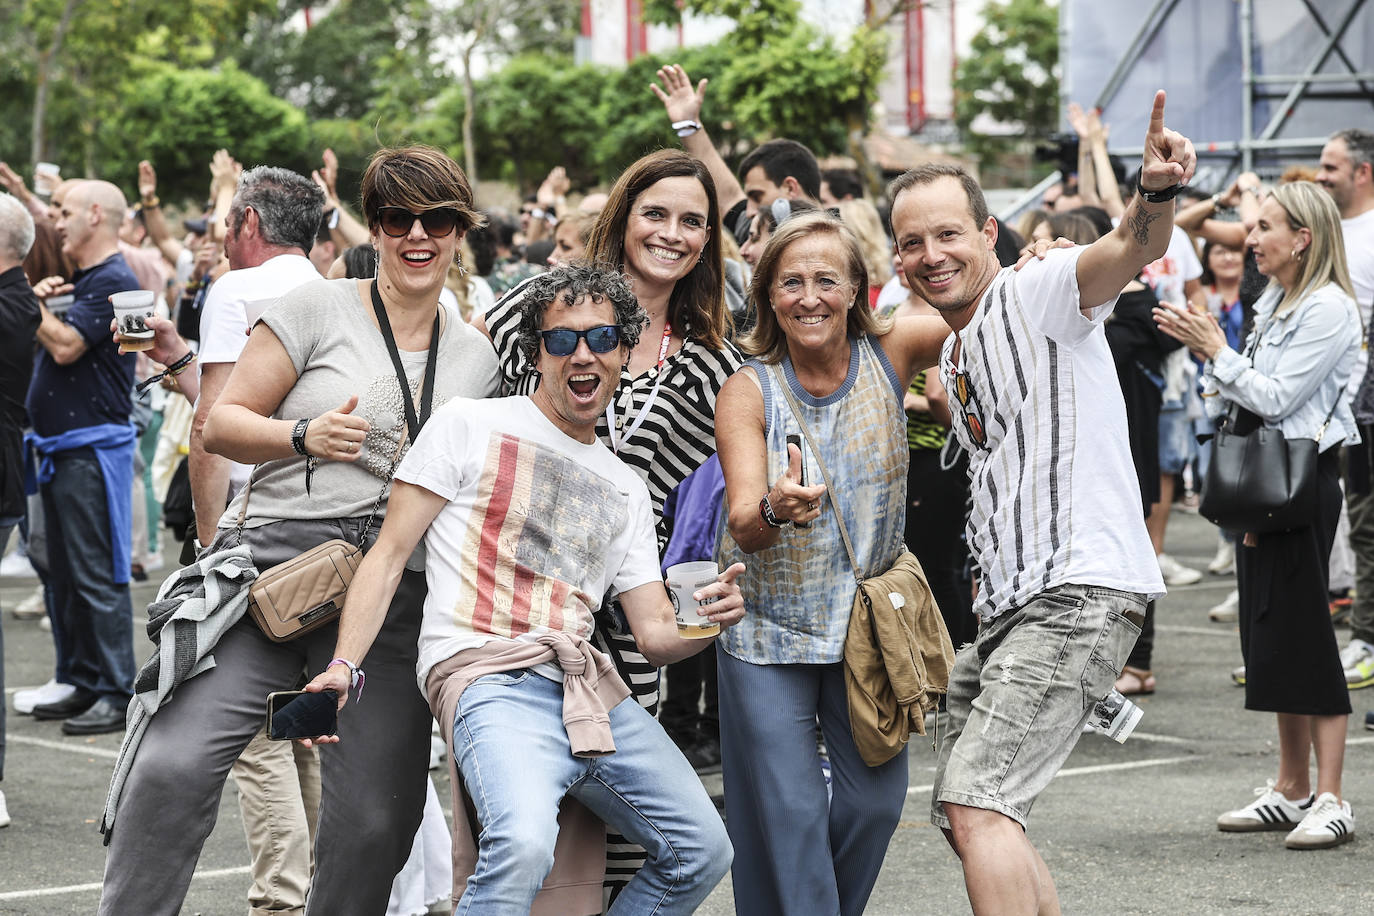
1298	369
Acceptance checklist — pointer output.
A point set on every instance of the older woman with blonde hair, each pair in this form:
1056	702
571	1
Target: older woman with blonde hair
820	348
1292	377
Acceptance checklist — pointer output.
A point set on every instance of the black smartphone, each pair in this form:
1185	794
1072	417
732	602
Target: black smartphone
293	714
794	439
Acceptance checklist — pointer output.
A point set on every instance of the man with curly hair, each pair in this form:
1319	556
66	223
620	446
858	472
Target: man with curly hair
529	521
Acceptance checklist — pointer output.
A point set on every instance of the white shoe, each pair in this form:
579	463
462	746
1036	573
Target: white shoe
16	566
1328	823
1229	609
438	750
32	607
4	811
1175	573
1270	810
51	692
1224	563
1357	659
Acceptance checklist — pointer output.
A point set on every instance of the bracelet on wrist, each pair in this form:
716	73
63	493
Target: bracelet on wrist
298	437
1163	195
356	676
182	364
686	128
151	202
770	518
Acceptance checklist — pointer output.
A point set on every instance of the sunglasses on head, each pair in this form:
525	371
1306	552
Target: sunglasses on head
398	221
563	341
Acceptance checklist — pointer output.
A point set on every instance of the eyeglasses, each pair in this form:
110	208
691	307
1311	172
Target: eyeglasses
968	404
398	221
563	341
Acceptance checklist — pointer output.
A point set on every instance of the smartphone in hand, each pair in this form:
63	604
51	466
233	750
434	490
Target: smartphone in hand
794	439
294	714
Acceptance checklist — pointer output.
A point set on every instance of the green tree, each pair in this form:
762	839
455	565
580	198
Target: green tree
178	118
1011	75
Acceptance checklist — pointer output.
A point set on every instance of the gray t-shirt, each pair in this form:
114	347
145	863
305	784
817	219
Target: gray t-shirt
337	350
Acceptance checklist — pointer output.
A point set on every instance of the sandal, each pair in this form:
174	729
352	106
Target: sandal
1135	682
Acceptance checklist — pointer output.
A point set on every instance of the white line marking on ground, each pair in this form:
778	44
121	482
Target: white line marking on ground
1161	739
83	749
87	888
1098	768
1230	632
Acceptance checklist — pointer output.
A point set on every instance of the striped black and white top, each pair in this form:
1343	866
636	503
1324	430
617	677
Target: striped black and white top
1054	492
679	432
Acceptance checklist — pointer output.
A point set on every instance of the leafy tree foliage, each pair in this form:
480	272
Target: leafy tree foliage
1011	75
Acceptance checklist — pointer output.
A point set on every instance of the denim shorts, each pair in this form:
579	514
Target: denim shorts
1177	442
1020	693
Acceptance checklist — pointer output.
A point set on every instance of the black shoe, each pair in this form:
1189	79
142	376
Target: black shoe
73	705
704	756
102	717
1369	721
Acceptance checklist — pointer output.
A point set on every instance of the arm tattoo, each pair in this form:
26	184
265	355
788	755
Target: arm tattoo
1139	224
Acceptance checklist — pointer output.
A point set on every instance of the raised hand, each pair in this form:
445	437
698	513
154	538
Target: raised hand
330	174
147	180
224	171
553	187
12	182
1169	156
336	434
679	99
1078	121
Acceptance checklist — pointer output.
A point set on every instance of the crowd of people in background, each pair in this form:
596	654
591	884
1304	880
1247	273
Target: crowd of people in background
525	417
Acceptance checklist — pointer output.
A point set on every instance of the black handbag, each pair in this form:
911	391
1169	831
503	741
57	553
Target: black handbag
1258	481
1261	481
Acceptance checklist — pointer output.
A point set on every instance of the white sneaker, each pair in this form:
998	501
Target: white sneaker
32	607
51	692
16	565
1229	609
1224	563
1175	573
1358	661
4	811
1270	810
1328	823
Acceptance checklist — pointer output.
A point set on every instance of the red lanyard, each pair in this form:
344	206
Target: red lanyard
617	440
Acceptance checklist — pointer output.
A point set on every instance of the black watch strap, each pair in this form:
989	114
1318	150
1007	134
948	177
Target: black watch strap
1162	196
298	437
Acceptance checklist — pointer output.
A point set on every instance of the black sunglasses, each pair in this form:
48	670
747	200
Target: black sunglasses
563	341
398	221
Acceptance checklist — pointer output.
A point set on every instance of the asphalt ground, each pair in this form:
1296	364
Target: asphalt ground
1125	829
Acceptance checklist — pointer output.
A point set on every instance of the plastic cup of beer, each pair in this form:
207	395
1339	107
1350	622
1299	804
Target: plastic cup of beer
132	310
46	178
683	580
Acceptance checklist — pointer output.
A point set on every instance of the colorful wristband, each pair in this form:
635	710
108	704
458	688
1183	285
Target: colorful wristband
358	677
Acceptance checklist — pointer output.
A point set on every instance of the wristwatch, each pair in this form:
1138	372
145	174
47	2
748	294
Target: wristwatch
298	437
1161	196
686	128
766	510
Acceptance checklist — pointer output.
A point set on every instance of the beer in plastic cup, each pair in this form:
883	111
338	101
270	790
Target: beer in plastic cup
683	580
132	310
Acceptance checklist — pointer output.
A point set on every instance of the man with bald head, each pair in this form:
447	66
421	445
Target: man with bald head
79	405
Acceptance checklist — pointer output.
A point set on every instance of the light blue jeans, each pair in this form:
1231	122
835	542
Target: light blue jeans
511	746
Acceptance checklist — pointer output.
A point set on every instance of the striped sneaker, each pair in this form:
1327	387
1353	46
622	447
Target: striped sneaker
1269	811
1328	823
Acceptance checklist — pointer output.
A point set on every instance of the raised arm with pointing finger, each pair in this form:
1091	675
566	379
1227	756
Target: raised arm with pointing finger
1143	234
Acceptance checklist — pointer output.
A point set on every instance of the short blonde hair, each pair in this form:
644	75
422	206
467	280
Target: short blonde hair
766	340
1309	207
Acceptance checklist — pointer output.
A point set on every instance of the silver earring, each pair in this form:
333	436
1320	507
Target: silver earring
458	262
376	263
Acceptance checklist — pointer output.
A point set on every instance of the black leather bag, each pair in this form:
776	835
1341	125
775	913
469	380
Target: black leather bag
1260	481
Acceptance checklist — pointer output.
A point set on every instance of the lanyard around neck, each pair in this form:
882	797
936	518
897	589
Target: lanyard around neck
617	440
413	423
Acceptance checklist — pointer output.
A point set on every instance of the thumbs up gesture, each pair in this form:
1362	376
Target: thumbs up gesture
336	434
789	499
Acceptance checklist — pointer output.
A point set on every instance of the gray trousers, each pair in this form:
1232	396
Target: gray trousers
372	781
1360	508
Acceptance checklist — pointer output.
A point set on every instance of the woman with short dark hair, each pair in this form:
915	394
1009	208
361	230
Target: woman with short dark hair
318	404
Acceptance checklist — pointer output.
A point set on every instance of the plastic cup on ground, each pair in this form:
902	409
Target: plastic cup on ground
132	310
683	580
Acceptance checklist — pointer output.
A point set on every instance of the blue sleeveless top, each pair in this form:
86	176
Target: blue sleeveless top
799	592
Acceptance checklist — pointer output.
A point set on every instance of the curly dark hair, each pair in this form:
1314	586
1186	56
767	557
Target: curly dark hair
600	282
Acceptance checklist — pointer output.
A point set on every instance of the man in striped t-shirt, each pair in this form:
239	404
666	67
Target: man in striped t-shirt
1066	563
